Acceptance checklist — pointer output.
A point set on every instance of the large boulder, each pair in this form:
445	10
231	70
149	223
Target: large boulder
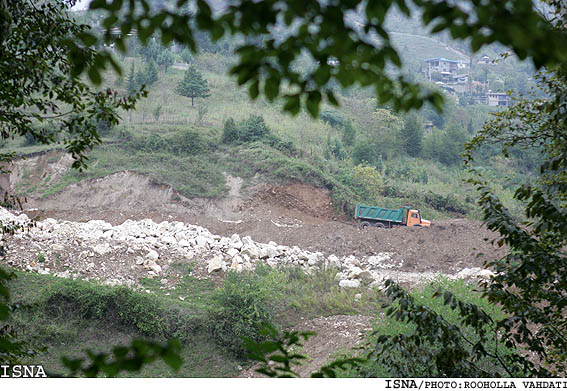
102	248
216	264
153	255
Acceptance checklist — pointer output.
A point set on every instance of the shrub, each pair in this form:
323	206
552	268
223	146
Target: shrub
113	305
230	132
188	142
365	152
368	182
333	118
155	143
253	129
242	306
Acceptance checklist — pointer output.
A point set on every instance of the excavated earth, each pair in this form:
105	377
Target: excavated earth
296	220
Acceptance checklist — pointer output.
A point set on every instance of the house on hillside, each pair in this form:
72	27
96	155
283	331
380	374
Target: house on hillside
484	59
498	99
441	65
462	64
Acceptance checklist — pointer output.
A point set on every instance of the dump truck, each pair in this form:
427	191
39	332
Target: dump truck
374	216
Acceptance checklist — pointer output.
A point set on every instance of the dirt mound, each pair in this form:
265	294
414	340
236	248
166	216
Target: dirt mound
298	197
35	172
123	190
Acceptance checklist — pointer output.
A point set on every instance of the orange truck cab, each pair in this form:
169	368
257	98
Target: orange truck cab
414	218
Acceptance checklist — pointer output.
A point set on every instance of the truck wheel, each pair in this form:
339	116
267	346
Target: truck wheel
364	224
379	225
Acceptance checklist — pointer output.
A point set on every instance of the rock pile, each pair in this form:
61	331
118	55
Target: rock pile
124	253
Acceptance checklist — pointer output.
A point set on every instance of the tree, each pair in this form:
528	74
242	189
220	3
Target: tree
349	134
531	281
193	85
230	131
151	51
38	84
165	59
151	74
411	135
131	80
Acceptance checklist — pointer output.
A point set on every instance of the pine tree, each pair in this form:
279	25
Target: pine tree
140	79
151	75
131	80
193	85
411	135
165	59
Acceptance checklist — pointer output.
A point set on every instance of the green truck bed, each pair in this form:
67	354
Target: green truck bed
379	214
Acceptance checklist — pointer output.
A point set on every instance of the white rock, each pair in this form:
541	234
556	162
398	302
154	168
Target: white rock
250	250
102	248
334	261
201	241
216	264
271	251
232	252
485	274
236	244
152	254
184	243
179	236
153	266
247	241
349	283
312	260
354	272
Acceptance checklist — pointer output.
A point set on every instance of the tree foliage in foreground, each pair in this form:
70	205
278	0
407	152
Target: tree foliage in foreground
37	85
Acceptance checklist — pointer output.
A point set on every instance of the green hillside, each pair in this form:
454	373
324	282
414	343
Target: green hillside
359	151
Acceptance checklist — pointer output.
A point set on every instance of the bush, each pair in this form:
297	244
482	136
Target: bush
121	306
365	152
248	131
188	142
333	118
368	182
155	143
242	306
230	132
253	129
